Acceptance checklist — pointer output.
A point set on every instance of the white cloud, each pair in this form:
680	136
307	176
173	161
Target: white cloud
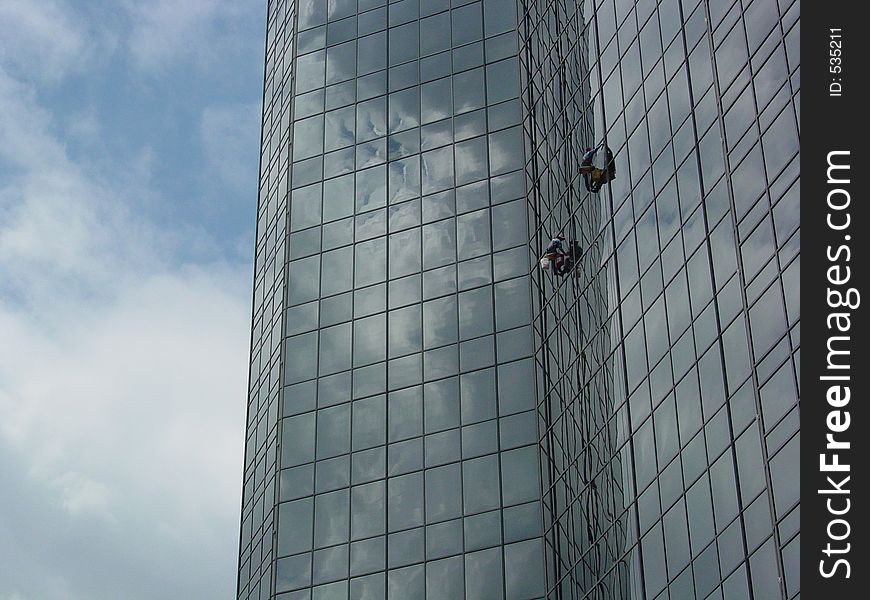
229	134
122	384
84	126
46	40
167	31
81	494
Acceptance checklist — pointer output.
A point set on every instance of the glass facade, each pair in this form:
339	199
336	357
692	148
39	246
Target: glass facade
432	416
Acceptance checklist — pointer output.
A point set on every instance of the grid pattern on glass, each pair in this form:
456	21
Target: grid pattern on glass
409	440
403	346
669	363
256	558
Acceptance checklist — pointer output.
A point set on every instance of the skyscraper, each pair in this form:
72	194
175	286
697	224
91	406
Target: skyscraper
433	416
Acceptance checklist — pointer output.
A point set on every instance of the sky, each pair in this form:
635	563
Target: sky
128	177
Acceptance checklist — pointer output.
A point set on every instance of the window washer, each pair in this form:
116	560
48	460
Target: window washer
594	176
555	254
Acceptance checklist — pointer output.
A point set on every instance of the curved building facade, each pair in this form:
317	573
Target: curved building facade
430	414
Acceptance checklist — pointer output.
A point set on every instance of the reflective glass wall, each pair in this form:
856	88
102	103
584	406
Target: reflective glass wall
669	362
430	415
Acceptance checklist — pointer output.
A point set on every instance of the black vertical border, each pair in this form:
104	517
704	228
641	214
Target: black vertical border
833	123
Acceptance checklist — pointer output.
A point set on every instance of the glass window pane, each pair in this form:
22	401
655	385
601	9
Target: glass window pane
522	522
444	539
480	484
338	266
406	413
467	24
310	71
334	349
341	31
300	319
331	518
468	57
437	170
406	583
404	179
330	564
439	319
371	119
439	282
369	422
406	456
441	404
472	196
332	474
371	188
436	135
405	291
370	300
435	34
371	153
444	579
300	357
372	53
340	95
524	570
483	575
516	387
371	224
404	215
502	81
293	573
404	41
475	313
439	243
366	556
503	150
478	396
471	166
338	233
405	501
308	137
296	482
468	91
368	517
333	431
520	475
300	398
443	493
404	252
442	448
338	198
509	225
518	430
482	531
305	207
405	371
369	465
437	102
404	111
341	63
369	343
405	331
512	303
295	525
476	272
472	236
403	144
371	262
405	547
479	439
